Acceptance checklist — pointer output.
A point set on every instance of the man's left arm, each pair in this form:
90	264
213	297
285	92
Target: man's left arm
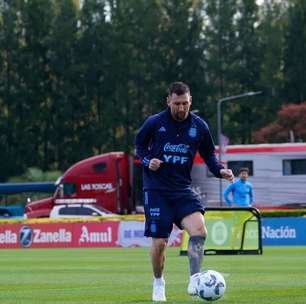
252	197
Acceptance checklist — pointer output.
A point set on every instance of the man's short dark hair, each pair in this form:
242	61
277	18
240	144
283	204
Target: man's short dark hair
244	169
178	88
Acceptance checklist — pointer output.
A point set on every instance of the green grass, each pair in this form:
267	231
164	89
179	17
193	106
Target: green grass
91	276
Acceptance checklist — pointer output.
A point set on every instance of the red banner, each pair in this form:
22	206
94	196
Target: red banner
74	235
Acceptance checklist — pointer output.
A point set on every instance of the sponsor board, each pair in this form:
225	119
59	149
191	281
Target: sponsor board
280	231
284	231
275	231
74	235
130	234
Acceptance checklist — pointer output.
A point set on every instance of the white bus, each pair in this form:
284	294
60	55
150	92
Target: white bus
277	172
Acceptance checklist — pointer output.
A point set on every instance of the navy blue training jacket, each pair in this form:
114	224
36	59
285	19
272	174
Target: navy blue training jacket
176	144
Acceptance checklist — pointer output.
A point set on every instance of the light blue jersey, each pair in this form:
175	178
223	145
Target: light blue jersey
242	194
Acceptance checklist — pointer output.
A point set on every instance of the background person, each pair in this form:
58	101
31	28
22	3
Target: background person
241	191
167	143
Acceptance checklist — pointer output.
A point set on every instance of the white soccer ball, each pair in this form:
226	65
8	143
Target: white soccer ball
210	285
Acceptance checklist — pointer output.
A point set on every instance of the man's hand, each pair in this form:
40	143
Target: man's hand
227	174
155	164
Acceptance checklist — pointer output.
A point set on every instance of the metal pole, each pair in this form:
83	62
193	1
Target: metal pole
219	143
219	129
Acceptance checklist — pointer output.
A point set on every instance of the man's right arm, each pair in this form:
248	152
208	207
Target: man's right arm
142	141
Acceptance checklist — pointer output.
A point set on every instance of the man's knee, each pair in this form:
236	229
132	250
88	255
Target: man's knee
201	231
194	224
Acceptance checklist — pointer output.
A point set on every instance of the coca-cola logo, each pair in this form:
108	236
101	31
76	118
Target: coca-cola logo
180	148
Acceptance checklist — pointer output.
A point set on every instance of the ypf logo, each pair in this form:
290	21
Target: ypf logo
25	236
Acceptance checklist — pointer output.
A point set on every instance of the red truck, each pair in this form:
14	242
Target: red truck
103	180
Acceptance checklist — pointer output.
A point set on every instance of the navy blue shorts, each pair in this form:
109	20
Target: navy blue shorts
163	209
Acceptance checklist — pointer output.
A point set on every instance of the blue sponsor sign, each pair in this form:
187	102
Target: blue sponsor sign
25	236
284	231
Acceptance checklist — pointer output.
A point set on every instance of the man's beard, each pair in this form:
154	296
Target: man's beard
180	116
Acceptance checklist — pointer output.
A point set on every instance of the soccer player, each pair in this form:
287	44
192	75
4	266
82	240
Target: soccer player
167	143
241	190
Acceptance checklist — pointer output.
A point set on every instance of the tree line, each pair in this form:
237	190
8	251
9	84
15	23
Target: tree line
77	78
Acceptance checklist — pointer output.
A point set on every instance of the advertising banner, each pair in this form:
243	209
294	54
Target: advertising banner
230	231
283	231
225	233
79	234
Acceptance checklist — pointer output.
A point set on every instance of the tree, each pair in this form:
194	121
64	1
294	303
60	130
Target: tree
233	61
290	125
11	89
35	89
220	38
272	25
94	55
247	55
242	116
69	112
295	53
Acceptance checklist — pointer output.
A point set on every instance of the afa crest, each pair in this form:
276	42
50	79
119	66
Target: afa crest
192	132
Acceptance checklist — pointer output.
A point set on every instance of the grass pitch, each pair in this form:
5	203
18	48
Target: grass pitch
90	276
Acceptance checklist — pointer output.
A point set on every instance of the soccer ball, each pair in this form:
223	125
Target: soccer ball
210	285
